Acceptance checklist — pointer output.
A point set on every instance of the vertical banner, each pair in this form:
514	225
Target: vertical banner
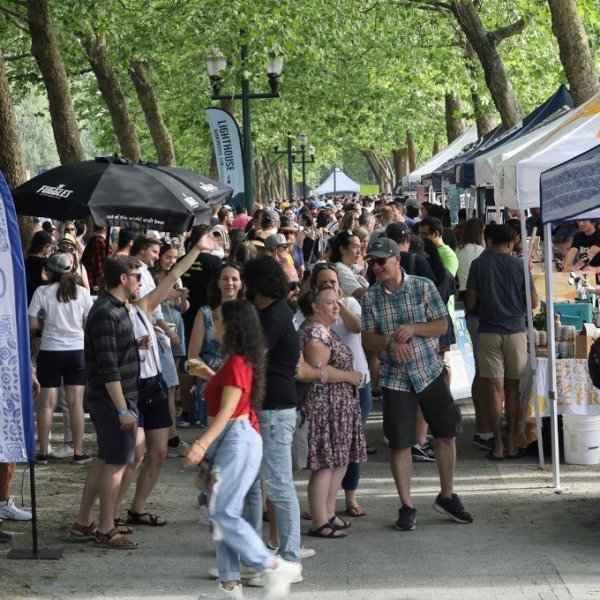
228	152
16	397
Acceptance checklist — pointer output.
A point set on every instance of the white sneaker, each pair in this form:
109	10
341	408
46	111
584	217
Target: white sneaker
259	580
306	553
9	511
279	579
62	451
222	594
177	451
245	572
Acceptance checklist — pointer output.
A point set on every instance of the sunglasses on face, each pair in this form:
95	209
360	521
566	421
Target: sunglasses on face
377	261
293	285
137	276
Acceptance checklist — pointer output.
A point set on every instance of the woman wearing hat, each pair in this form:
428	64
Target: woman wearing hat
68	244
62	305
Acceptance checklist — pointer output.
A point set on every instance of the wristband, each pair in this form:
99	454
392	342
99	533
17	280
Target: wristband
320	367
123	411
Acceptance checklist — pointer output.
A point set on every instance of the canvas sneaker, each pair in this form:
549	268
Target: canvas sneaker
178	450
452	507
9	511
62	451
41	459
279	579
259	580
222	594
81	459
423	452
407	518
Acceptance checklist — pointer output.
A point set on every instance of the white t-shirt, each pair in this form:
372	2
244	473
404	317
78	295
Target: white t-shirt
466	255
349	280
353	340
63	321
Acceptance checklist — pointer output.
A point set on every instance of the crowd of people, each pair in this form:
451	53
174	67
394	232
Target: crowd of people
273	332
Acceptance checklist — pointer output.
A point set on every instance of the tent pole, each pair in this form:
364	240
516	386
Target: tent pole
531	342
551	392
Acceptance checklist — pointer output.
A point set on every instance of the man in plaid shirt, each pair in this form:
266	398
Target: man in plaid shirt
402	319
94	255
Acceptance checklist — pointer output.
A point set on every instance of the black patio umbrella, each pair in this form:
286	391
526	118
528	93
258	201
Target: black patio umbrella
118	193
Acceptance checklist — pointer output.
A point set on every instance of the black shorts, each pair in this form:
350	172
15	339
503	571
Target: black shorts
55	367
158	417
115	446
400	413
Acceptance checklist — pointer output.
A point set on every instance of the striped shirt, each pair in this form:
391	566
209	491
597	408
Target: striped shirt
110	350
417	301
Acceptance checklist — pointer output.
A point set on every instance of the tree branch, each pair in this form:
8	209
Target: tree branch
12	13
17	56
18	2
435	5
502	33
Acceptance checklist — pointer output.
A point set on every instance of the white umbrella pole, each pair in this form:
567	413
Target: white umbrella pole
551	392
532	356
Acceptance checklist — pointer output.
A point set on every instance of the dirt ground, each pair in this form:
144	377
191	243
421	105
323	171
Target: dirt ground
526	541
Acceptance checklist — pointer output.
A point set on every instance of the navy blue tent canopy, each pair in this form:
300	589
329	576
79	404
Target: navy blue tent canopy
461	169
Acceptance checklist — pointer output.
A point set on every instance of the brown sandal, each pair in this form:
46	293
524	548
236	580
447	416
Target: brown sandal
356	511
114	540
83	533
123	528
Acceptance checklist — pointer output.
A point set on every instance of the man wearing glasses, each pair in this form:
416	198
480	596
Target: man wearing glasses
113	368
402	319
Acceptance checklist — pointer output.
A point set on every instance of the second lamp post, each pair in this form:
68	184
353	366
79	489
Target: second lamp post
303	140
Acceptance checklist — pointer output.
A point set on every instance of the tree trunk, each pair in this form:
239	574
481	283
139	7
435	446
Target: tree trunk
397	160
485	44
112	93
412	152
373	166
483	117
455	124
436	145
11	155
574	47
45	49
151	107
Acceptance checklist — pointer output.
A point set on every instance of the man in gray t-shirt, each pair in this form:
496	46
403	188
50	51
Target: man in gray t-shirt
496	287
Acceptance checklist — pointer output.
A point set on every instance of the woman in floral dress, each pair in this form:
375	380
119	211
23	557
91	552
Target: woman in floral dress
335	434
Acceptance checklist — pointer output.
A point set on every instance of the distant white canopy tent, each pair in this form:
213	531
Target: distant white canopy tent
337	183
443	156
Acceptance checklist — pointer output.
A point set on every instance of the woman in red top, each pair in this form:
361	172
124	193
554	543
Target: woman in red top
233	443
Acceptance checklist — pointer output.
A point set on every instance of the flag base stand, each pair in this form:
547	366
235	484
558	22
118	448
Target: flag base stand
35	553
41	554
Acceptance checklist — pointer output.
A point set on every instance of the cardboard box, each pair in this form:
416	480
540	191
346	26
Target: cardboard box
584	341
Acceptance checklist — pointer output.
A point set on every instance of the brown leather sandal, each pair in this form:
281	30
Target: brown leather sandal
114	540
83	533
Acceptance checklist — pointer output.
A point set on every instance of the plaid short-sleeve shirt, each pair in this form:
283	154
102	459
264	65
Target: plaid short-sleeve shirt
417	301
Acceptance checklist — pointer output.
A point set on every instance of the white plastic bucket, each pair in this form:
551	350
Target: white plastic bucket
581	436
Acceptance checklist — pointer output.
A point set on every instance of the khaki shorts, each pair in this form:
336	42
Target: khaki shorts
502	355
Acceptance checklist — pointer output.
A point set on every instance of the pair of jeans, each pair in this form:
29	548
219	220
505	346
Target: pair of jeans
277	428
236	465
352	476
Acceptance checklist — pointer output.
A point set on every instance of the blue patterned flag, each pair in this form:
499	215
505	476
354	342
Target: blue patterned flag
16	397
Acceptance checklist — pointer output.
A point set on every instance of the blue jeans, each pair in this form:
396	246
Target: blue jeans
277	428
352	476
235	469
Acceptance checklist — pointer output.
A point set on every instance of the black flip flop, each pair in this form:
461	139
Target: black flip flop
334	534
491	456
135	518
519	454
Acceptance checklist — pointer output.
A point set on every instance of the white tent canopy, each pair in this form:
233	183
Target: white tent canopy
517	180
337	183
486	163
441	157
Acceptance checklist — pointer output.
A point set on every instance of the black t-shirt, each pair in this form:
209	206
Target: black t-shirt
582	242
33	274
197	279
283	344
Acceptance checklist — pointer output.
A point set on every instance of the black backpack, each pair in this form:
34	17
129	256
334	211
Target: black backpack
594	363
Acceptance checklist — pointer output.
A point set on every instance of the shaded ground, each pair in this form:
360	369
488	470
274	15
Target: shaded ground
526	541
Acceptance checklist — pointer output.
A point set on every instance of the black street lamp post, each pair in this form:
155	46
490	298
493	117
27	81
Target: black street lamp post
217	63
303	140
290	152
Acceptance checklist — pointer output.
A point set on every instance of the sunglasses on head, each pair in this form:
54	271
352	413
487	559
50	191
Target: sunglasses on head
377	261
293	285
